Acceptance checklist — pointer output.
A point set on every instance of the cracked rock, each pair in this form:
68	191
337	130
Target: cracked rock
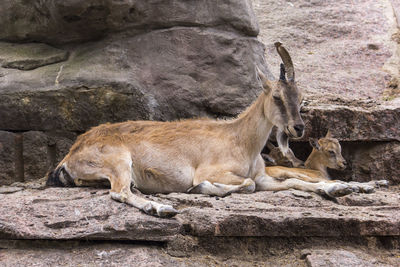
29	56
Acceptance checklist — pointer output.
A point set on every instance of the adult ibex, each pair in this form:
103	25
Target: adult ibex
215	157
326	153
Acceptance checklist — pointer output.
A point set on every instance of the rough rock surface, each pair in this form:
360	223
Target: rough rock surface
79	213
259	228
373	161
319	258
352	123
164	74
247	253
342	50
53	21
11	169
191	59
29	56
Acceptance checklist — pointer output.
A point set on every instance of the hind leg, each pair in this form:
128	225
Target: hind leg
116	167
121	191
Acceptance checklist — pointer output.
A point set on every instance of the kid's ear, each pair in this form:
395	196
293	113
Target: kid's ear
328	134
314	143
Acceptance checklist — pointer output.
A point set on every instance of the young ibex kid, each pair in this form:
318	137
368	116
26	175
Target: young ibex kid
326	153
215	157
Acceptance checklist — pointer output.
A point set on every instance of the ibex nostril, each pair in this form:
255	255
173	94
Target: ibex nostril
299	128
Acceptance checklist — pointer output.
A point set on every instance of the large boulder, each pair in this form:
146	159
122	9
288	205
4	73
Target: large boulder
163	75
59	22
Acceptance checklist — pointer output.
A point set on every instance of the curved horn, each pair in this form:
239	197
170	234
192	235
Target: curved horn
287	61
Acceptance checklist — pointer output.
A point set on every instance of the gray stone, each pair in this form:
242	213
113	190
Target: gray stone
96	219
11	168
157	60
30	155
301	194
29	56
90	214
57	226
162	75
37	159
93	255
246	252
68	21
61	143
128	254
352	123
10	189
333	258
344	52
375	161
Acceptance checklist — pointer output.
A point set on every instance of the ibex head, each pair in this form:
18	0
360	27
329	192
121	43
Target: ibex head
282	105
329	152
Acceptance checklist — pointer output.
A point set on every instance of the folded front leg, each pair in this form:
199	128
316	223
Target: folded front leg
221	184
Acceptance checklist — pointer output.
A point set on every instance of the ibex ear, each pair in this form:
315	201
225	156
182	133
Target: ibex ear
266	84
314	143
282	75
328	134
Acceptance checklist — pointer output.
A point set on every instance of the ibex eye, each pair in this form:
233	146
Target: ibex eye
332	153
277	98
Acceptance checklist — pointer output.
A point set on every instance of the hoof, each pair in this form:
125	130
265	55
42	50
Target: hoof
166	211
355	188
383	183
149	209
338	190
249	186
367	189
